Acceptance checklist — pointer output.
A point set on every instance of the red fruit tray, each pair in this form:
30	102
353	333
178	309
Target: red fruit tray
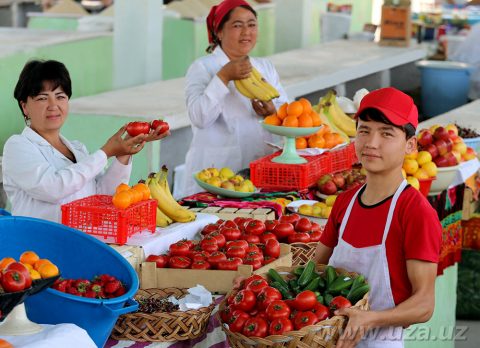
278	176
97	216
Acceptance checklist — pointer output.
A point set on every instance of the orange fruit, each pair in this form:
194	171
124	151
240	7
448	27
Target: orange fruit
295	109
135	196
316	120
5	344
316	141
34	274
273	120
122	199
290	121
305	121
29	257
337	139
329	140
307	106
48	270
5	262
282	111
122	187
40	263
301	143
143	188
27	266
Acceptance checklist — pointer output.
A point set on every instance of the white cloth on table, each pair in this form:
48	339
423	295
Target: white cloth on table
38	178
466	170
54	336
226	129
158	242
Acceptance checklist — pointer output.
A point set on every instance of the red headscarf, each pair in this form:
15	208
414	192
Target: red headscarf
218	12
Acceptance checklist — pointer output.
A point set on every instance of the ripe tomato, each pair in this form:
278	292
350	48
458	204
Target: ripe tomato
303	225
20	268
280	326
255	327
315	236
209	229
255	263
230	264
237	320
277	309
215	258
200	255
229	224
292	219
241	243
339	302
230	233
179	262
320	311
316	227
266	236
302	319
161	261
209	244
299	237
245	300
268	259
164	126
13	281
137	128
250	279
266	296
220	238
283	230
252	247
255	227
272	248
239	221
305	300
251	238
179	249
225	314
270	225
236	251
257	285
200	265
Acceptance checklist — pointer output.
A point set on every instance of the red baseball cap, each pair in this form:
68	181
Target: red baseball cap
397	106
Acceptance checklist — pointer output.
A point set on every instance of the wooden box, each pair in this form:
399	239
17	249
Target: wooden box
133	254
396	27
231	213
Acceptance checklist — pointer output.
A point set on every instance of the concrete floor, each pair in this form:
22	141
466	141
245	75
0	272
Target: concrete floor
471	338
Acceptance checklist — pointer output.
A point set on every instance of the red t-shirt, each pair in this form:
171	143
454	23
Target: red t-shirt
415	232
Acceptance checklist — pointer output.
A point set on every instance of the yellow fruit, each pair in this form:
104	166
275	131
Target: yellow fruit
305	209
413	155
330	200
327	211
421	174
430	168
410	166
424	157
404	174
34	274
317	211
413	182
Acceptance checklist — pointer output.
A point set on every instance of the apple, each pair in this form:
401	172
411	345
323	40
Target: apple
324	179
432	128
339	180
469	154
432	149
228	185
441	146
452	128
328	188
451	159
457	155
456	139
449	143
440	134
425	137
441	161
461	148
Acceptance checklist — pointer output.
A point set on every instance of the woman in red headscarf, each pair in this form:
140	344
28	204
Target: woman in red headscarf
225	124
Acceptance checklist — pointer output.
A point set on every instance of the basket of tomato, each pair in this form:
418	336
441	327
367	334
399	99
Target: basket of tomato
292	307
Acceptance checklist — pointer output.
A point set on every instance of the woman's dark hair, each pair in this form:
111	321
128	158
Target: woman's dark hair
216	41
35	73
377	116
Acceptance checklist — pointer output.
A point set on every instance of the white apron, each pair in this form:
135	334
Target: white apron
372	263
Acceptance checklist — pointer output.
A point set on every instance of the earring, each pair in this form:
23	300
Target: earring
28	122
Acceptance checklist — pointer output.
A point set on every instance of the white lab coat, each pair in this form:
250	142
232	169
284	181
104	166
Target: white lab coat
38	179
226	129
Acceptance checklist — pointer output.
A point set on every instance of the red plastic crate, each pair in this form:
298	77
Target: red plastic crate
278	176
97	216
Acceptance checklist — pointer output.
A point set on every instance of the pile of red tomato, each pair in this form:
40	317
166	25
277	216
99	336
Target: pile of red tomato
258	310
137	127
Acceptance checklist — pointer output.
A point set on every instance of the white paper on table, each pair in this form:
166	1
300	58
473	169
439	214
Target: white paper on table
466	170
314	151
54	336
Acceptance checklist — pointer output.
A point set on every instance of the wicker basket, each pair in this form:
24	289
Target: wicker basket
324	334
161	326
302	252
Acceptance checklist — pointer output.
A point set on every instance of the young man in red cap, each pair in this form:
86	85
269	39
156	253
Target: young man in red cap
385	230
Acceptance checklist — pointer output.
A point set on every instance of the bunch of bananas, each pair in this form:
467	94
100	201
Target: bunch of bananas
256	87
332	115
168	209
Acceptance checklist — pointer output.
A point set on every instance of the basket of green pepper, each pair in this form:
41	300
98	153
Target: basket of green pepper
292	307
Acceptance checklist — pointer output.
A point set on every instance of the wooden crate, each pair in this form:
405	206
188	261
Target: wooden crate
231	213
214	280
133	254
396	26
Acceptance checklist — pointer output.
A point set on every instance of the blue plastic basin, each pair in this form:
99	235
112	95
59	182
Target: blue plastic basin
445	85
77	255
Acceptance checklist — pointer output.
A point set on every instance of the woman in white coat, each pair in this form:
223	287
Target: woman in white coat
42	169
225	124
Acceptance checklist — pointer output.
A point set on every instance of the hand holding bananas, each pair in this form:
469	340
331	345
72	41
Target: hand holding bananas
235	69
254	86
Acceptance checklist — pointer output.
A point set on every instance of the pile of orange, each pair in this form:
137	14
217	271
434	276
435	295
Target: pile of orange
296	114
125	195
323	139
37	267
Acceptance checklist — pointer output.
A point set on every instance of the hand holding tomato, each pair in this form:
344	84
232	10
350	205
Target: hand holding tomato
119	146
